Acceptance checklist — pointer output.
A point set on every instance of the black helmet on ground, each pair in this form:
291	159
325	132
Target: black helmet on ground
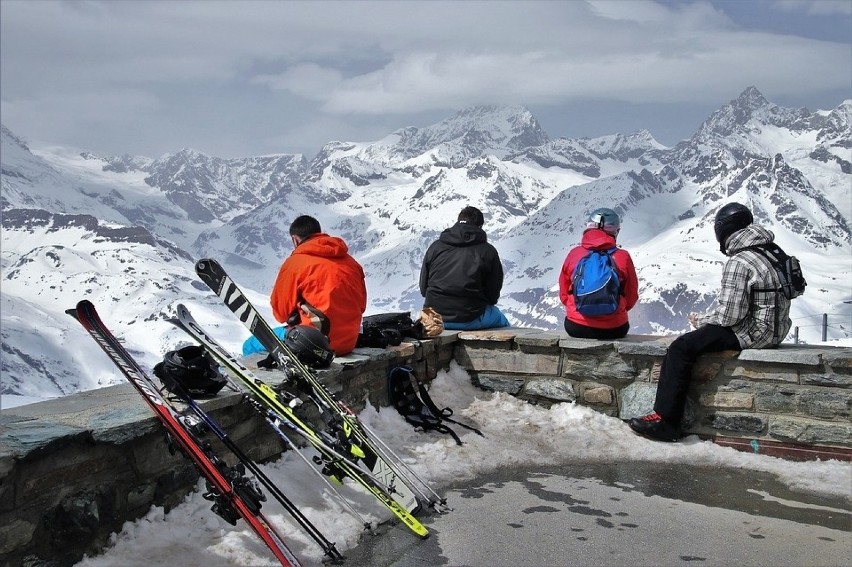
731	218
309	345
192	369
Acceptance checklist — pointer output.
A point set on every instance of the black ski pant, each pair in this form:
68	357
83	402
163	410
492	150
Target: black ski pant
583	332
676	370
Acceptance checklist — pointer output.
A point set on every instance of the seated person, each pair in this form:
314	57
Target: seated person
607	317
462	276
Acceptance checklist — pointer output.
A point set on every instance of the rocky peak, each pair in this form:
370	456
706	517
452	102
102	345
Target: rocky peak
734	115
9	137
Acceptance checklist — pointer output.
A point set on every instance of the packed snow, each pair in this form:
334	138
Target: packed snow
516	434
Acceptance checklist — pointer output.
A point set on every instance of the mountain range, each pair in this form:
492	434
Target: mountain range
124	231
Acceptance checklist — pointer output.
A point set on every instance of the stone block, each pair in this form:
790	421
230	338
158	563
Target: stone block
557	389
501	336
128	425
810	432
427	348
838	358
539	339
727	400
736	422
446	338
499	382
584	345
776	398
765	373
637	399
24	436
830	379
598	394
402	350
797	356
826	404
488	360
602	367
644	374
656	347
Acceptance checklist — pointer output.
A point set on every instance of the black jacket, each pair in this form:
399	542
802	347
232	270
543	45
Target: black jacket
461	274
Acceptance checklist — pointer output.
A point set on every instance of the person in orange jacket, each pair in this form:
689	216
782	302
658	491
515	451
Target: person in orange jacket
321	285
600	233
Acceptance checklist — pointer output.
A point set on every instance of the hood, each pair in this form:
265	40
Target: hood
323	245
752	235
463	234
597	239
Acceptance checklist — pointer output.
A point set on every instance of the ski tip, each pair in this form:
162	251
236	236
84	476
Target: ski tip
72	312
203	264
182	310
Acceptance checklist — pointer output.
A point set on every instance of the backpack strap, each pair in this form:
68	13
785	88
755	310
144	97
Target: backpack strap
404	397
444	413
609	253
429	421
767	252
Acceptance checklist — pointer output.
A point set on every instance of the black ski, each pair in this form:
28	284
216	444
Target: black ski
233	494
278	410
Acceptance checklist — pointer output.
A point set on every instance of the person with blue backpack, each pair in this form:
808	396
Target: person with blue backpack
598	283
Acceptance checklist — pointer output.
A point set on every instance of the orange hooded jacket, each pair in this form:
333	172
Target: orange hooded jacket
321	272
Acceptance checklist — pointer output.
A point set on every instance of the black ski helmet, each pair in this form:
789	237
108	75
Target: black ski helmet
193	369
309	345
731	218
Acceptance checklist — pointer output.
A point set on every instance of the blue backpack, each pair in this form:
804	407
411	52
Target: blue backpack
595	284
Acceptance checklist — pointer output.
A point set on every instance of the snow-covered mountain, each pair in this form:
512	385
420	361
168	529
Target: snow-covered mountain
123	230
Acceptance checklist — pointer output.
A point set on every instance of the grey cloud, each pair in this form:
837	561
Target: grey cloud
244	74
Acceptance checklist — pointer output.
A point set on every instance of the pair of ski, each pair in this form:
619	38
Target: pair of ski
234	495
381	471
337	459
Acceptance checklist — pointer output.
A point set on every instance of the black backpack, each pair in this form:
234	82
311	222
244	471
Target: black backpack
416	406
789	270
388	329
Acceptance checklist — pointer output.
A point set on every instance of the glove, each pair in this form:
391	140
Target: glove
269	362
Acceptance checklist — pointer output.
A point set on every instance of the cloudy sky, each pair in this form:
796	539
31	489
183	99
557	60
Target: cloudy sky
245	78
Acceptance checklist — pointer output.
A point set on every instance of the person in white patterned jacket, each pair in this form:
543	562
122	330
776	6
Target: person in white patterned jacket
749	313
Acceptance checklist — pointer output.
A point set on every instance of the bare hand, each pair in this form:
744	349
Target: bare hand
693	320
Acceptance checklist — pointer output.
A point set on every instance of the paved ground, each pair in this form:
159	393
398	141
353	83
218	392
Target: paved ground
622	514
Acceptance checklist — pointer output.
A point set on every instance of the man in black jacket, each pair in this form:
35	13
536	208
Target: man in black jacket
462	276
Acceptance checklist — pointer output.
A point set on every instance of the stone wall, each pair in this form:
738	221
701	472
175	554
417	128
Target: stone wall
73	470
788	401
